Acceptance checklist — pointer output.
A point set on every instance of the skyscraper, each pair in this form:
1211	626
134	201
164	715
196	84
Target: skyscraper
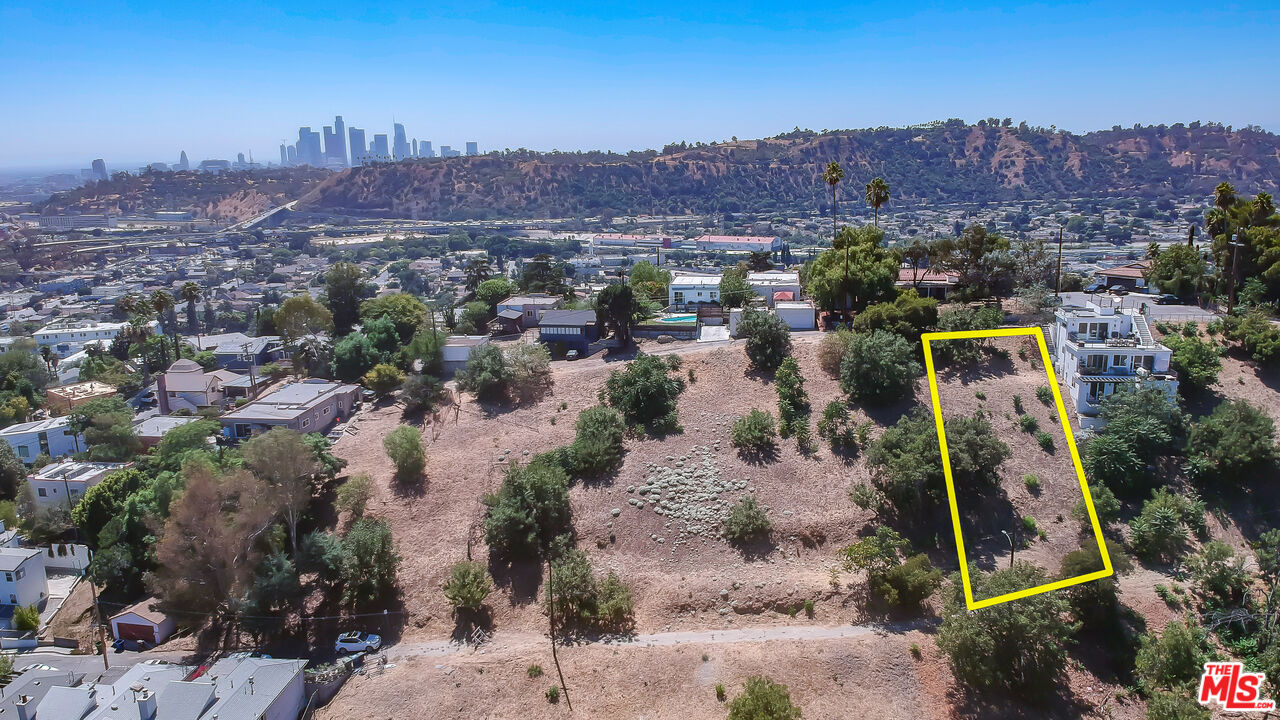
424	149
358	150
400	147
284	155
340	136
379	150
415	148
293	154
183	164
330	144
309	152
473	149
99	169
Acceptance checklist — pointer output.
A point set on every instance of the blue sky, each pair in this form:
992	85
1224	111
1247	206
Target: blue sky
139	81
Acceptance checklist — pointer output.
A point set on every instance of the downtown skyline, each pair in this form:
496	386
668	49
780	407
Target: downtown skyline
136	85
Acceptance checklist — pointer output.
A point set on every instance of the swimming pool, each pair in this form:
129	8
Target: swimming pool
679	319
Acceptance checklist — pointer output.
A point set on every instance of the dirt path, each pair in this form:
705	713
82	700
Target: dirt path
665	639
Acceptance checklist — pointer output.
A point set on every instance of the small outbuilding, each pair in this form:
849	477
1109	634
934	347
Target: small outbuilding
140	622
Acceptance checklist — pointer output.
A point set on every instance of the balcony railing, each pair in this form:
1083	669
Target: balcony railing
1086	340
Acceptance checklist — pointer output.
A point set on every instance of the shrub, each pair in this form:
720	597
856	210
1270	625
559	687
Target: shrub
468	586
793	401
1095	603
404	447
836	428
908	583
1160	530
583	601
534	671
720	695
908	315
26	618
1235	442
1256	335
1172	659
1028	523
485	373
1196	362
768	339
383	379
1044	395
754	432
1175	706
915	651
597	447
530	368
353	495
963	352
763	699
645	393
421	392
1028	424
553	694
879	367
1032	482
1220	576
831	350
1045	440
975	642
1105	505
746	521
530	508
369	562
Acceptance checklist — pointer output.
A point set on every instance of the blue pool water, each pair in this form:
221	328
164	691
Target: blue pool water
679	319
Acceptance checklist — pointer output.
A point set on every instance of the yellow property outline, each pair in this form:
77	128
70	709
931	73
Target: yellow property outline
926	338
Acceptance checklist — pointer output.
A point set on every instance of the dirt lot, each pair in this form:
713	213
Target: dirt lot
693	581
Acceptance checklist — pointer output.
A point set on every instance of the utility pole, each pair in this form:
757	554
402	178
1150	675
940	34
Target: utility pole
102	630
1235	254
1057	284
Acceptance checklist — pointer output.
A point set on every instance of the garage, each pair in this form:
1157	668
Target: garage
141	622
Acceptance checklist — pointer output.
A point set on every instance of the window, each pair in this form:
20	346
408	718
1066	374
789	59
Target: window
42	492
327	409
8	577
20	573
24	451
306	422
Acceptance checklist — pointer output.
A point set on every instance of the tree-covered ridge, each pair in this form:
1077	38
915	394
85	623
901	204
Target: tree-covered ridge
947	161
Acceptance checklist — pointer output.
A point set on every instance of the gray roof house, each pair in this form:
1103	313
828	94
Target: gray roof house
308	406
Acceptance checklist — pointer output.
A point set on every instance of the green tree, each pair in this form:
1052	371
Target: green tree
906	462
369	562
529	509
1195	361
877	195
1178	270
1235	441
734	289
287	468
354	495
468	586
344	289
12	472
190	293
485	373
981	259
493	291
406	312
597	446
404	447
768	339
1220	576
353	356
616	310
832	175
856	273
908	315
976	643
645	392
104	501
301	316
763	699
1160	530
879	367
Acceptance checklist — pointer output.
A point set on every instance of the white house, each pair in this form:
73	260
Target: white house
70	336
22	580
52	437
457	348
186	386
797	314
64	483
686	288
1097	349
775	285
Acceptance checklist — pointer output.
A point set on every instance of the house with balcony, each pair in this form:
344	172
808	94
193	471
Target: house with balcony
1098	349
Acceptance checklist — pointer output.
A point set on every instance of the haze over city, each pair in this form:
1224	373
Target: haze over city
138	82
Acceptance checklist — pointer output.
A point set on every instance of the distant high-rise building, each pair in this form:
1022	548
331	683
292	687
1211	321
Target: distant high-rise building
424	149
240	158
293	154
358	150
309	152
340	138
99	168
284	155
182	161
379	150
415	148
330	143
473	149
400	146
448	152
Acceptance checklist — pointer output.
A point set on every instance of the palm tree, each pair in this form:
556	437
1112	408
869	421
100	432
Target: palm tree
1224	196
163	303
832	176
190	292
477	271
877	195
46	354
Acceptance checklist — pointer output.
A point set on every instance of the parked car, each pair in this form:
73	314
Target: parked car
571	355
1168	299
1118	290
1095	287
34	666
356	641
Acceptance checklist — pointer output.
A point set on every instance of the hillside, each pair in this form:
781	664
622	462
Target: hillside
939	162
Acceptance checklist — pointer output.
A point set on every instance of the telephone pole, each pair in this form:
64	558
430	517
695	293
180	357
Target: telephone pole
1235	262
1057	284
